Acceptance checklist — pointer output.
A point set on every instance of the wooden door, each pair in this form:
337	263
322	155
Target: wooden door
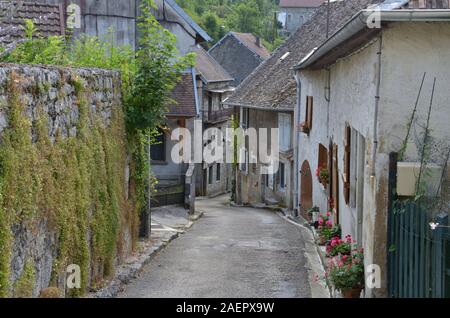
306	192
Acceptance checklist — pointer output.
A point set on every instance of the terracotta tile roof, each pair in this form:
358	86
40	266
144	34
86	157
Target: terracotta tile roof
184	97
250	41
48	19
300	3
272	84
209	68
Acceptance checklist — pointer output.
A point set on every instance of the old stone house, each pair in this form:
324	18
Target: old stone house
294	13
213	178
356	94
239	54
263	101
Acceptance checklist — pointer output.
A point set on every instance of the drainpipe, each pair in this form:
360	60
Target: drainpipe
296	148
377	103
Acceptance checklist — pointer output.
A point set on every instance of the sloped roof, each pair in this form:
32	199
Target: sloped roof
209	68
184	96
47	18
272	85
250	41
189	20
300	3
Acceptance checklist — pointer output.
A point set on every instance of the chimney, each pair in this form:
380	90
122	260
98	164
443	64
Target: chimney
258	41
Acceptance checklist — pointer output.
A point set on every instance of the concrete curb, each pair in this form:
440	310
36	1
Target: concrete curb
315	262
129	271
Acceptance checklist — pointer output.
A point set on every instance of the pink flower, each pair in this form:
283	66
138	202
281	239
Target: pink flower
328	214
340	264
344	258
329	223
320	221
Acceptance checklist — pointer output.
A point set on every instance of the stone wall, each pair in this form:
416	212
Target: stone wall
61	98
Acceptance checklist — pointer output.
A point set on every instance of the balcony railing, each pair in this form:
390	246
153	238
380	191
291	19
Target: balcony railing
217	115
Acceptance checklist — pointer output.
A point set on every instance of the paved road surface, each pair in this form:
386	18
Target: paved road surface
230	252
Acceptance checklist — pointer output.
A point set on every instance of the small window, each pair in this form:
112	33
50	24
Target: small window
245	120
158	148
210	175
218	172
282	176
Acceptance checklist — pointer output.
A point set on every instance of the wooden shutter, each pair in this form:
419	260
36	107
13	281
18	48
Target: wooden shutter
335	182
309	111
309	118
347	155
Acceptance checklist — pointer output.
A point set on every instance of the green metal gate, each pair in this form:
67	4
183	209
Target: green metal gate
419	264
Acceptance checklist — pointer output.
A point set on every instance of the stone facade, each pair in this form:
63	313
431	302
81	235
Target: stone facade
54	90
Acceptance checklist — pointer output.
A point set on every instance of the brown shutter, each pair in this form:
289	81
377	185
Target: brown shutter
335	182
347	154
309	119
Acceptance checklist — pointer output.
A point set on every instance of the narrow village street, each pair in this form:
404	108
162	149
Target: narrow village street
229	252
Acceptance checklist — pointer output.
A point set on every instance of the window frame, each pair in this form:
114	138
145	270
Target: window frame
163	145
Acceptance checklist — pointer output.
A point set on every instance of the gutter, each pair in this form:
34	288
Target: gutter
259	107
377	103
360	21
197	104
296	148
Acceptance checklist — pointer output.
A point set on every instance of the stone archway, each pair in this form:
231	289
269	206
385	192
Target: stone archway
306	190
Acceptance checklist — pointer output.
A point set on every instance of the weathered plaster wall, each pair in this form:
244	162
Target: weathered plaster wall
55	92
298	17
352	101
224	183
408	50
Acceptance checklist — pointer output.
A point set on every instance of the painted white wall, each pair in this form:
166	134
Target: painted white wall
408	50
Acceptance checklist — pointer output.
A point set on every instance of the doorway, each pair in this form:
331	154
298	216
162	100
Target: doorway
306	191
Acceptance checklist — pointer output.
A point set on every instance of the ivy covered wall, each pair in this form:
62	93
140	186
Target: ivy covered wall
65	193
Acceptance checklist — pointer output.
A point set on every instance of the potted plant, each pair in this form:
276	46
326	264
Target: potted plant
337	246
312	213
326	229
304	128
323	175
346	273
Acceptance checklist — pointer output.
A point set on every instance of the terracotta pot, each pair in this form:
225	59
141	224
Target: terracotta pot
352	293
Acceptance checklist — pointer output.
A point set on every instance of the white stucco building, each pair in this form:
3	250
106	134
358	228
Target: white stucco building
357	92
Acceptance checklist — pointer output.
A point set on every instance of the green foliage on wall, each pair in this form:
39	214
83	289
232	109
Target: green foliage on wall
76	183
23	288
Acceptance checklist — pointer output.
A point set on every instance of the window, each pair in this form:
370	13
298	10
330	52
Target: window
323	156
210	175
306	126
347	156
285	131
158	149
282	176
218	172
245	120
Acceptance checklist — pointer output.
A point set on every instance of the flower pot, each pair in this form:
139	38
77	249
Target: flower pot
352	293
